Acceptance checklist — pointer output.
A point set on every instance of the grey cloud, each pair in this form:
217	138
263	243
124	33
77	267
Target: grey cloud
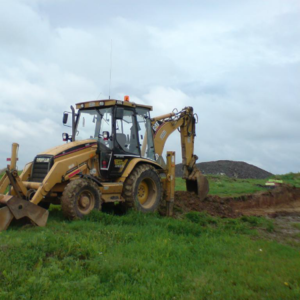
236	62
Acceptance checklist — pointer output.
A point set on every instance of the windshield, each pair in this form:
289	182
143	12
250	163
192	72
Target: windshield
93	123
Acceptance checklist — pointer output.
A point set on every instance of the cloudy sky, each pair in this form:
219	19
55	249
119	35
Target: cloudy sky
236	62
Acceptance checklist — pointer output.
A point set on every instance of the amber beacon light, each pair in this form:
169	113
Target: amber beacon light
126	98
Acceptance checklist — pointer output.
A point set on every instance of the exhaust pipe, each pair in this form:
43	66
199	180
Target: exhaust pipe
14	156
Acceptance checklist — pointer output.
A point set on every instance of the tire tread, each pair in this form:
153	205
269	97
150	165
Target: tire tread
68	199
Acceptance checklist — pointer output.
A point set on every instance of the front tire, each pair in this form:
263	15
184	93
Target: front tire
79	198
142	189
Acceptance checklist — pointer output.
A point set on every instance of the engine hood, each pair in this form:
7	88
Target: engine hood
69	147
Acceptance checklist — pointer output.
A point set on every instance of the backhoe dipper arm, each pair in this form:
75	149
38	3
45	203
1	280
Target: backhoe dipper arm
185	122
166	124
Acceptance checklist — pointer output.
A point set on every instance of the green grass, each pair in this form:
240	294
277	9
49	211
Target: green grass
290	178
139	256
296	225
225	186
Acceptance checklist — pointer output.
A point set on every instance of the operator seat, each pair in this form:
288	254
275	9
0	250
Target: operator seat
121	139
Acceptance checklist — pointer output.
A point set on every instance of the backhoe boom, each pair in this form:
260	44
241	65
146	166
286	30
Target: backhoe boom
184	121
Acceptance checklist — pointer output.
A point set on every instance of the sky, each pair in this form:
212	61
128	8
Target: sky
236	62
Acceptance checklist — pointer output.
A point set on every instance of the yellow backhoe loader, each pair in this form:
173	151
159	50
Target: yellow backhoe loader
114	154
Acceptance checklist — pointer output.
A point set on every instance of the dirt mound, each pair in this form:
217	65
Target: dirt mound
284	199
214	205
235	169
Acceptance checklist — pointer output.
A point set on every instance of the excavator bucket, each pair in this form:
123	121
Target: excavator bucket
198	185
17	208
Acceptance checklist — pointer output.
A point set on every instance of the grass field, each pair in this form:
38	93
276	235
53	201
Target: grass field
137	256
225	186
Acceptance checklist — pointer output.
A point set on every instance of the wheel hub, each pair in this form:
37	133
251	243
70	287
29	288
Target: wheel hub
143	192
84	201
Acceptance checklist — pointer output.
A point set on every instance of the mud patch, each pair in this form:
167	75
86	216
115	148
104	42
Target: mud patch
286	229
282	200
214	205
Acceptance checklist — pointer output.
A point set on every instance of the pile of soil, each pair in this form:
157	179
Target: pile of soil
283	199
234	169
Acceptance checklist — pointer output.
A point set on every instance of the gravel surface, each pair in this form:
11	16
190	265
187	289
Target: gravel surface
235	169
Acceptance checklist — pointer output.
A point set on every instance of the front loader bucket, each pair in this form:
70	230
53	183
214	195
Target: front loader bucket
199	185
5	218
17	208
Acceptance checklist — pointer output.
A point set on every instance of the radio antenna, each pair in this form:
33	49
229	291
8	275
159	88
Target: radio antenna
110	69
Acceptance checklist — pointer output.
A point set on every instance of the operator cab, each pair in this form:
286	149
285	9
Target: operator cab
122	131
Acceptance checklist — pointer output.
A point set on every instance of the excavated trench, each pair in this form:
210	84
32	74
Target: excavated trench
281	200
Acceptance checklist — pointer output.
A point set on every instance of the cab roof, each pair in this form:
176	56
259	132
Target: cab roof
109	102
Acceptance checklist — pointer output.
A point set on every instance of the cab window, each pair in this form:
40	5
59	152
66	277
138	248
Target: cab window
145	133
93	124
126	133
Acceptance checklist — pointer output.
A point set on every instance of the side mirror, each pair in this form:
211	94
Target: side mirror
65	118
66	137
119	113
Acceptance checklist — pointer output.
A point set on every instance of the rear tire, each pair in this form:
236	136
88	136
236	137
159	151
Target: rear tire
143	189
79	198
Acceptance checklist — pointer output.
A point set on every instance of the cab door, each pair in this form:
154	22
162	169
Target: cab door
126	141
105	140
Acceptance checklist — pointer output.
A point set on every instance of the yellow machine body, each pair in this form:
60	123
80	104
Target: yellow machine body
122	164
